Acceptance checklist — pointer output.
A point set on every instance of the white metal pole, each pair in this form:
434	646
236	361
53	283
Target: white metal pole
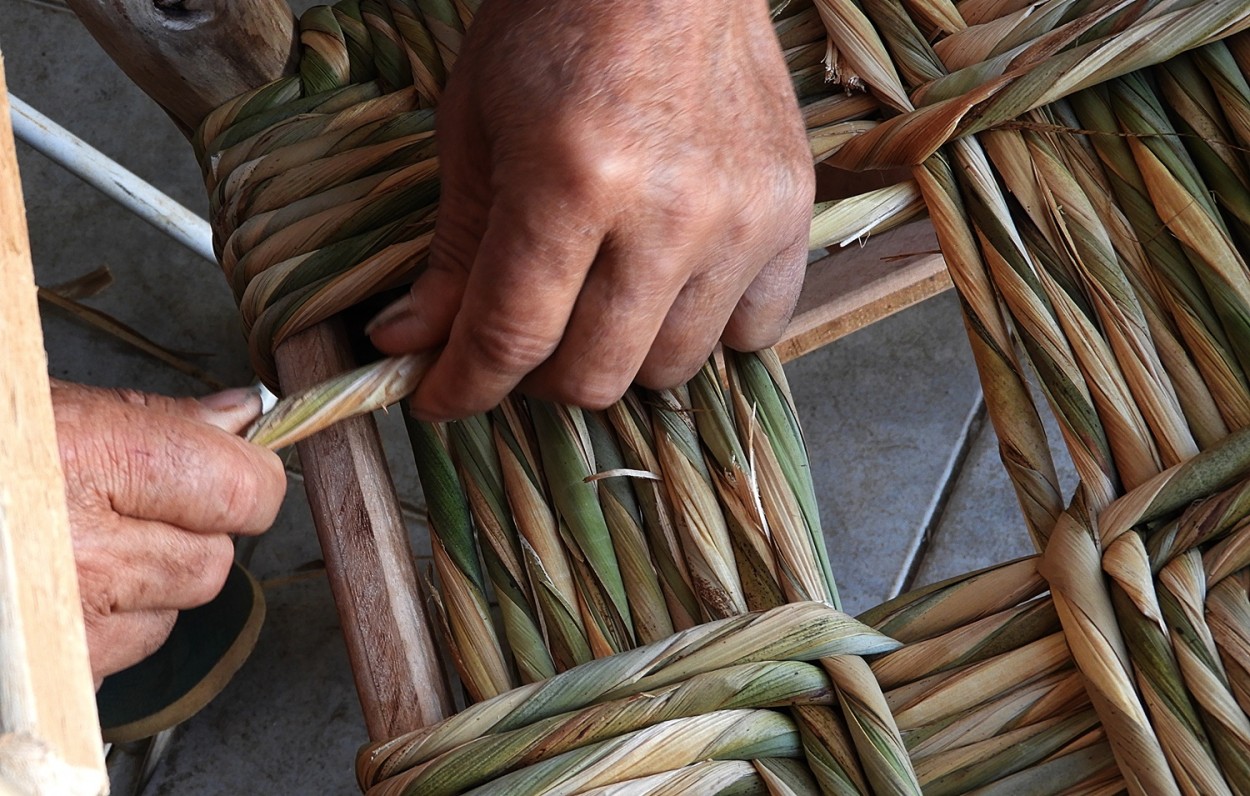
118	183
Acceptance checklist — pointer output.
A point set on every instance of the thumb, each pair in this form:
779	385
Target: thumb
232	410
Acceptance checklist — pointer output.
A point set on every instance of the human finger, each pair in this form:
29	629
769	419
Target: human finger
530	267
689	333
763	313
697	318
422	319
119	641
169	468
134	565
616	318
231	410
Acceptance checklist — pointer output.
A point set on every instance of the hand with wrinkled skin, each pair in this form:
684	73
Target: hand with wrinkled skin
155	487
624	184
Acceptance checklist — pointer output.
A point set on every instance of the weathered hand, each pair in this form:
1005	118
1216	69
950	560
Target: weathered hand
623	182
155	486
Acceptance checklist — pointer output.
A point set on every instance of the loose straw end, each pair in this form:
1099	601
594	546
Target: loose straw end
355	393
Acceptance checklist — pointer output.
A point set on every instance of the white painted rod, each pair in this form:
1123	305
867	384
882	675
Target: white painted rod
112	179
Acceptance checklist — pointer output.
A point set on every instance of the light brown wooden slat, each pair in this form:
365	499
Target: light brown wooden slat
46	692
857	286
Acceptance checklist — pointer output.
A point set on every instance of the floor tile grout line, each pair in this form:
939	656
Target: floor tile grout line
936	509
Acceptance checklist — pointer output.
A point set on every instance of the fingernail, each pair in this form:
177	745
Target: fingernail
230	400
398	310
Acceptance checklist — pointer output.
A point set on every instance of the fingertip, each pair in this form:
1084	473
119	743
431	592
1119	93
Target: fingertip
763	313
395	312
422	319
593	393
219	560
231	410
747	332
667	374
269	491
687	338
120	641
243	488
396	329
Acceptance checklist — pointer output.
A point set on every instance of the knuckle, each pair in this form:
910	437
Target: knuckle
591	177
756	336
454	244
504	348
154	401
97	594
238	496
591	393
760	321
590	170
154	633
796	206
128	396
688	209
210	576
264	490
669	374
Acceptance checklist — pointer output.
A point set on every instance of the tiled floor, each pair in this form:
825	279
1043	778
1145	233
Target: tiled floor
907	469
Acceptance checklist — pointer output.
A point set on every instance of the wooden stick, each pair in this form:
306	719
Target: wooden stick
368	559
855	287
46	693
192	56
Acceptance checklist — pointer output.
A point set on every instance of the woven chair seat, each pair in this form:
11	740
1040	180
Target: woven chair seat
1085	169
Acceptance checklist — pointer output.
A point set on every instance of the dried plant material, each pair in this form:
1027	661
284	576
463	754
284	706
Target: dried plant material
1084	167
477	647
637	445
568	457
697	513
550	573
358	392
116	329
84	286
472	450
852	221
793	632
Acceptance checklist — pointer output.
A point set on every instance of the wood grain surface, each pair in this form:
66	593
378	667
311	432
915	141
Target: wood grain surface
857	286
46	691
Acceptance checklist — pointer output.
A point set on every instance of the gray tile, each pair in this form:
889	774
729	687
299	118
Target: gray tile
882	410
289	722
982	524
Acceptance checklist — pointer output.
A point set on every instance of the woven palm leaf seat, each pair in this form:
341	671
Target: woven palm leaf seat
638	600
